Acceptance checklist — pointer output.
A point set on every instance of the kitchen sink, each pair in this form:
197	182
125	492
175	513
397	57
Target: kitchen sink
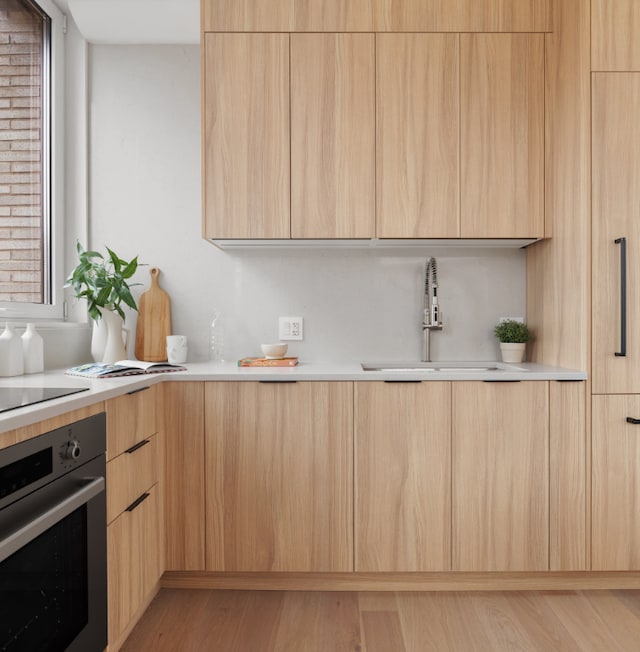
447	367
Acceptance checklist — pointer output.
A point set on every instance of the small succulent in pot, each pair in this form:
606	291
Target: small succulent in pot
102	281
512	331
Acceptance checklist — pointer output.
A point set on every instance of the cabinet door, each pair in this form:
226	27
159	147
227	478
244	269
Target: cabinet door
332	135
279	469
615	484
130	419
184	479
246	136
616	214
502	135
135	562
417	141
614	35
500	476
403	477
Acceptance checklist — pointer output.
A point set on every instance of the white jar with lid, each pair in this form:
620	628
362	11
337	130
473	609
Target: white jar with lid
32	350
11	357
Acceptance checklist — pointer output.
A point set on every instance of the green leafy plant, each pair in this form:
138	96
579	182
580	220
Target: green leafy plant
102	281
512	331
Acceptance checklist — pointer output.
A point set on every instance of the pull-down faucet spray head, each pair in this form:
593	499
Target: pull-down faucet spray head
432	320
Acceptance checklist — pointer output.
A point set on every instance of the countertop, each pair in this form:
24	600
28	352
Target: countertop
103	389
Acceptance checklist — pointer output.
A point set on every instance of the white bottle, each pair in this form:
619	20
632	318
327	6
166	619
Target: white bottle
11	361
33	350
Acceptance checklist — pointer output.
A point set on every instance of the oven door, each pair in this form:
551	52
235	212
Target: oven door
53	577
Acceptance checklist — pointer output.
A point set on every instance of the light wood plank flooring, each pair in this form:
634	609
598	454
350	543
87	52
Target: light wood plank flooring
299	621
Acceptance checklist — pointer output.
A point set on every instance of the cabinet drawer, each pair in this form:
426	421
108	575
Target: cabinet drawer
135	560
130	474
130	418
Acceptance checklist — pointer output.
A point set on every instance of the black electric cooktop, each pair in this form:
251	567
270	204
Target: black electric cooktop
17	397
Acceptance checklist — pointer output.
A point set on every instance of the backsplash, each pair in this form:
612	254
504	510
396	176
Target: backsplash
144	172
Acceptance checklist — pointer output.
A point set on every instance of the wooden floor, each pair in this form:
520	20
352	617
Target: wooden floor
257	621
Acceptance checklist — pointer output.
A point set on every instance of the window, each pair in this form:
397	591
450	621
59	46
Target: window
28	274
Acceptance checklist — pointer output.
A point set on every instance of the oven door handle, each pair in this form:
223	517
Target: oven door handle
41	523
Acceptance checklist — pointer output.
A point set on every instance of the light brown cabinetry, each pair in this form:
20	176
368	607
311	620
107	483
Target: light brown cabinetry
135	550
402	476
387	135
616	215
279	470
417	136
615	25
500	467
502	135
182	410
377	15
130	418
615	544
615	451
246	136
135	562
332	136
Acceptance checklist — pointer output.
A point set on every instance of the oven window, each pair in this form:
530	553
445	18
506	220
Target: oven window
44	589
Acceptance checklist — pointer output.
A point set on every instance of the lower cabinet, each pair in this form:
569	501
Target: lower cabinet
403	476
135	560
615	483
135	542
279	476
182	407
500	467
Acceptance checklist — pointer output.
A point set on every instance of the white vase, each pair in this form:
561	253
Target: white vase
11	361
98	339
117	341
32	350
512	351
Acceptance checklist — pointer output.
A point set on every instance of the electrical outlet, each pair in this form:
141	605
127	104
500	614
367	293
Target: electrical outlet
518	319
290	328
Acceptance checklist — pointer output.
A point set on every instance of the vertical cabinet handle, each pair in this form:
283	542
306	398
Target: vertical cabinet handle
623	297
632	420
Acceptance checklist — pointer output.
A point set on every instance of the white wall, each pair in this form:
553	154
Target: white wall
144	198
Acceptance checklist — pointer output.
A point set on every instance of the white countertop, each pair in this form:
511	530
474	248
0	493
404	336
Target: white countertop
102	389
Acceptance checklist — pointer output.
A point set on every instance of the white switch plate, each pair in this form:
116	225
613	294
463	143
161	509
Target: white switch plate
290	328
518	319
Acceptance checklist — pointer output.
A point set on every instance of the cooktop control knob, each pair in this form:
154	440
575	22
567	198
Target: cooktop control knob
72	450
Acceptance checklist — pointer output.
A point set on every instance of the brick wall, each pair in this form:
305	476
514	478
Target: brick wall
20	154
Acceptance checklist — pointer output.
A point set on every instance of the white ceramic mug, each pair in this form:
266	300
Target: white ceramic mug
177	349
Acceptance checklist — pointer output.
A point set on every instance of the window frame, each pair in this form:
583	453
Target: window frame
53	148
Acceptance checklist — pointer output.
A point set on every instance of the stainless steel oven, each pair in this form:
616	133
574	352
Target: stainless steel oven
53	574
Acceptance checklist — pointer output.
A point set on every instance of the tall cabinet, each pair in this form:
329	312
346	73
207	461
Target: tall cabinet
616	279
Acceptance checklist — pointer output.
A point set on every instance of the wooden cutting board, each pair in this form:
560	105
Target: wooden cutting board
154	322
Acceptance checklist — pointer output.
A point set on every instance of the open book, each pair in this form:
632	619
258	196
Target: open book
122	368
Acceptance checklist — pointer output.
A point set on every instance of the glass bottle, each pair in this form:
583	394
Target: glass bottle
216	338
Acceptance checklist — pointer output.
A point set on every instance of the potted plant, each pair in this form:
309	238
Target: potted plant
102	281
513	336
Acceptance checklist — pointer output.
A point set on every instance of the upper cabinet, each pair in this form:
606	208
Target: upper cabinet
377	16
615	25
332	136
460	136
363	135
417	127
246	136
502	135
616	233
